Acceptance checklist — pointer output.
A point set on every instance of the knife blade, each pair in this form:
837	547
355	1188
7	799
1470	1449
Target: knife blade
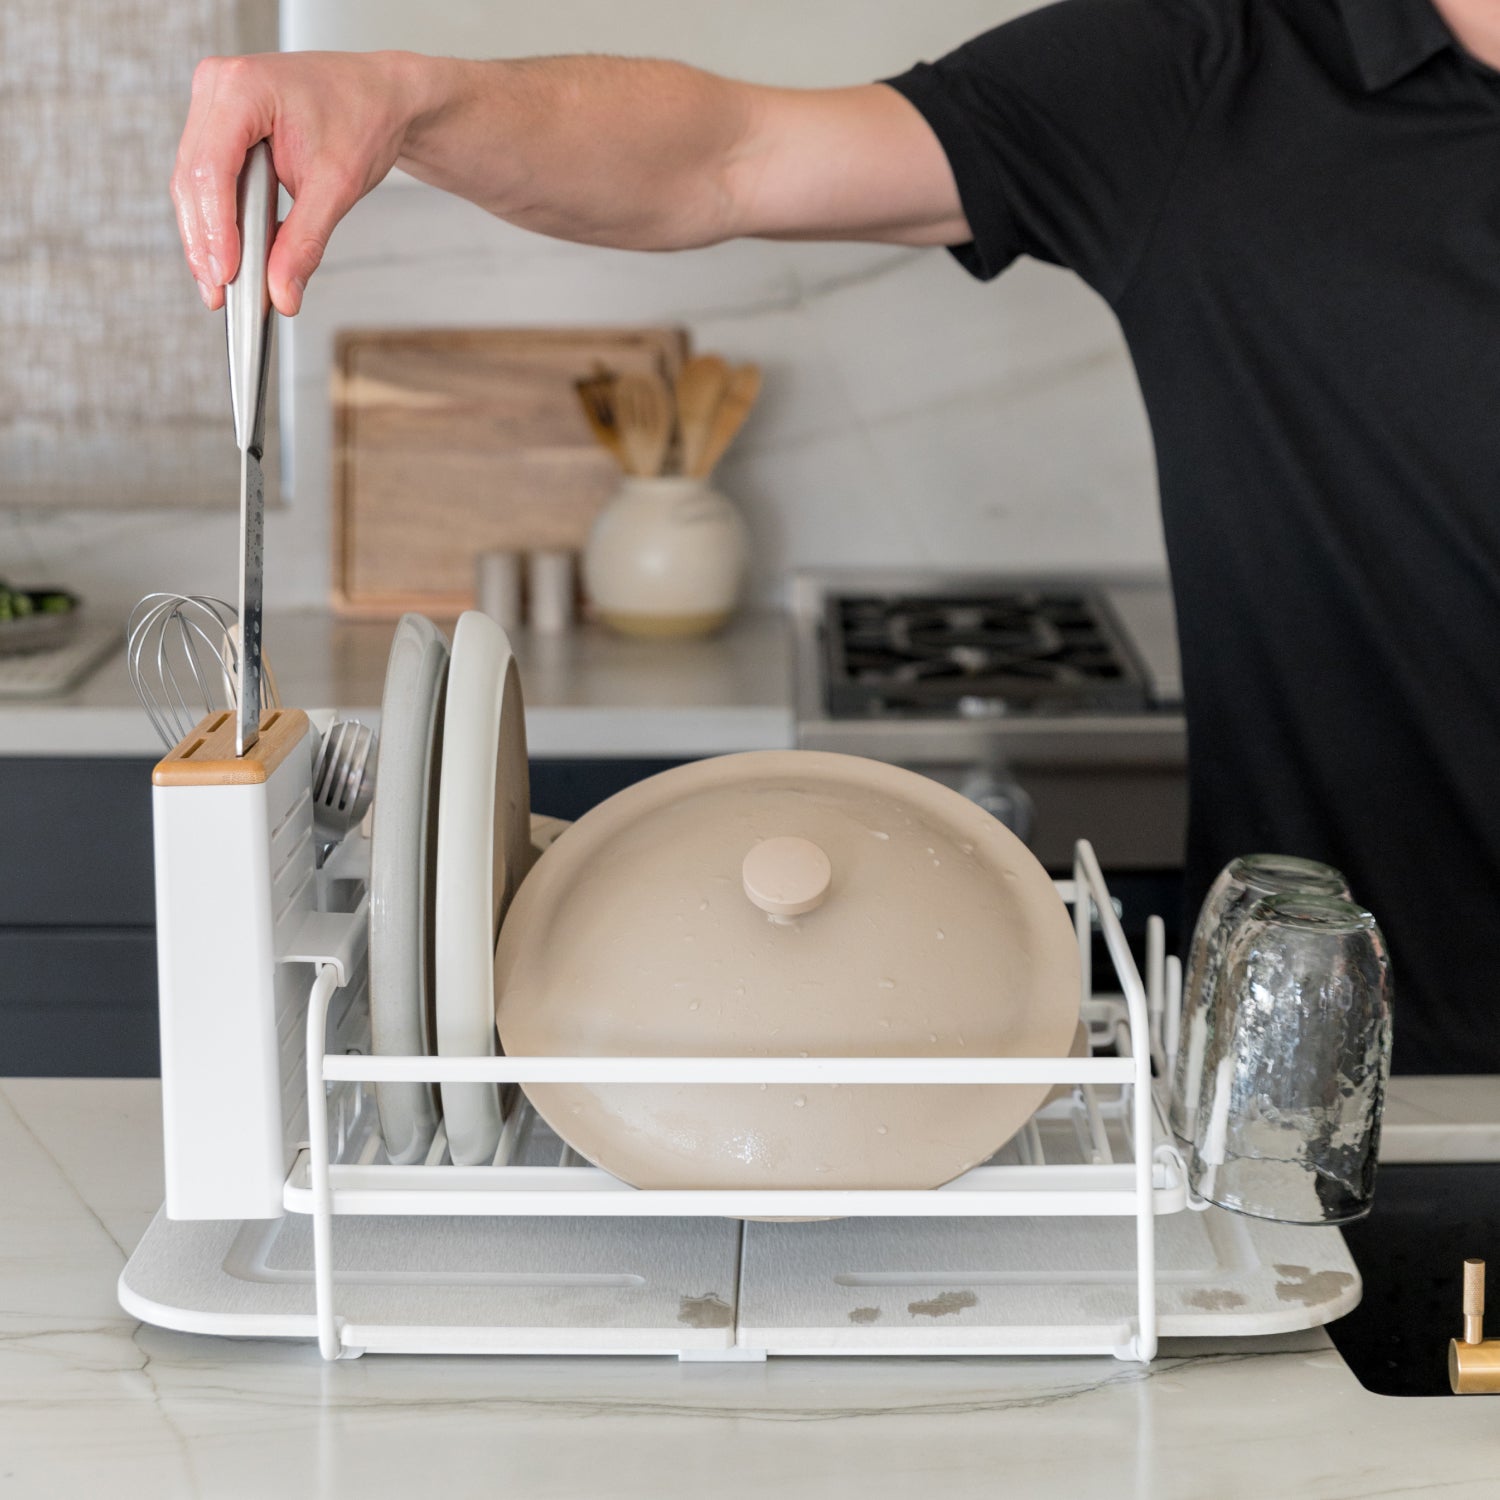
247	320
252	587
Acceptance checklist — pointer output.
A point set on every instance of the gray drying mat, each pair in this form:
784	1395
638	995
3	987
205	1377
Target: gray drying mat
929	1286
669	1286
520	1285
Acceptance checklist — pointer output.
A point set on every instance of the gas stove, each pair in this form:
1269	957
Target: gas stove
976	654
1054	702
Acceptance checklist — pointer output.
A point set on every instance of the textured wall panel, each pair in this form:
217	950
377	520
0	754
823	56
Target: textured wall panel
113	391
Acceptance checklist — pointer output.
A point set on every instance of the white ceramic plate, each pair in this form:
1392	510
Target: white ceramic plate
403	834
483	853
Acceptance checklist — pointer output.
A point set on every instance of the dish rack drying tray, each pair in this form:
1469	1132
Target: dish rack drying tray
1073	1239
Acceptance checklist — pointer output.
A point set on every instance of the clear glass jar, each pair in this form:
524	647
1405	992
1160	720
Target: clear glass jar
1295	1064
1240	884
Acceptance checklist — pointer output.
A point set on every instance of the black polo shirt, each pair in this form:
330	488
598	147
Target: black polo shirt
1293	207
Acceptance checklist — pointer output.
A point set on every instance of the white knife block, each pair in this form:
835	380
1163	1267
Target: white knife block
235	884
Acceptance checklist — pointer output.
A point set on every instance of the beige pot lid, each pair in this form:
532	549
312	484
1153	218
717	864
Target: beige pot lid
785	904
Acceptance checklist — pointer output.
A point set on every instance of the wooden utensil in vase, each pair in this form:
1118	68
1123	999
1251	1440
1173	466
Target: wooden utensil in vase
596	394
643	411
701	384
739	396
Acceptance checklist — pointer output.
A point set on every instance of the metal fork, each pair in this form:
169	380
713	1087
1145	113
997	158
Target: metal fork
343	778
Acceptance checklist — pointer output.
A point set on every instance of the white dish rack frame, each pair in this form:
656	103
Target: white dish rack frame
1153	1182
242	1146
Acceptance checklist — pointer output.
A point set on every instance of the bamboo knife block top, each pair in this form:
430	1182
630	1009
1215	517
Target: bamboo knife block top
205	756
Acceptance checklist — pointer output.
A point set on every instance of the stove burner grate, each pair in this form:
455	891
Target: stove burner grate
1033	652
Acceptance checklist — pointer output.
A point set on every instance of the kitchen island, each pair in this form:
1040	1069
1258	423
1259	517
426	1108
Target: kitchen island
94	1403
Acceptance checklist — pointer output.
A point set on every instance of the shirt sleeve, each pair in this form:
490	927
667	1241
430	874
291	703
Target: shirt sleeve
1065	128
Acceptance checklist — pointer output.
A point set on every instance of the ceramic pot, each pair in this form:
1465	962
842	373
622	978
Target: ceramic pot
666	557
785	904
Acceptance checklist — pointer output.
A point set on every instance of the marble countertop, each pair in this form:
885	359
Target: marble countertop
587	692
92	1402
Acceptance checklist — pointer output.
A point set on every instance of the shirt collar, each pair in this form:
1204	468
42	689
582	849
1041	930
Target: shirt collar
1392	38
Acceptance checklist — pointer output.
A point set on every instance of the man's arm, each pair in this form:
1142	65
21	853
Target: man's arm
624	152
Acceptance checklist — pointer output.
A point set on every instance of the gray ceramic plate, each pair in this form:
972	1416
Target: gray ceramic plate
403	846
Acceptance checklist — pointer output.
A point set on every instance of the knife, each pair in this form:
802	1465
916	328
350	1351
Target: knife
247	320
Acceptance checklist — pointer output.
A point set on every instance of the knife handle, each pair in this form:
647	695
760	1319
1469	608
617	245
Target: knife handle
247	299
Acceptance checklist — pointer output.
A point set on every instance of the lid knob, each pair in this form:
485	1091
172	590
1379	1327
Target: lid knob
786	876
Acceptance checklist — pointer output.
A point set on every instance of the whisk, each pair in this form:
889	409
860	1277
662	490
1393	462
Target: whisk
183	655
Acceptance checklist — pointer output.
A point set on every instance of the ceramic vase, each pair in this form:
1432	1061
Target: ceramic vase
666	558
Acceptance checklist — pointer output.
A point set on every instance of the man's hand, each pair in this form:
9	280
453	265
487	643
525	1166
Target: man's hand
336	122
625	152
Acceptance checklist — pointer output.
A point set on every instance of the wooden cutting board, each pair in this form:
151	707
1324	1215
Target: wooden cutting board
453	442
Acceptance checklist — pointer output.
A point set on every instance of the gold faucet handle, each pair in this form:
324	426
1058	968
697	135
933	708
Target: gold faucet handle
1473	1302
1473	1360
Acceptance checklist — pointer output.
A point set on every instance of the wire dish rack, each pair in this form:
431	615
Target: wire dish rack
1071	1240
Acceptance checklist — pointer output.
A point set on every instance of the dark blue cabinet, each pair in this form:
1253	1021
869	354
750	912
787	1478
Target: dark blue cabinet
77	918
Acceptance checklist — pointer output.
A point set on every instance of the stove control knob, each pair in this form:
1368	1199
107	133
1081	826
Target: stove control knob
1004	798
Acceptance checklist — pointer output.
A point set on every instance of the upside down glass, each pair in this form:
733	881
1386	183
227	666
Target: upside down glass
1295	1064
1240	884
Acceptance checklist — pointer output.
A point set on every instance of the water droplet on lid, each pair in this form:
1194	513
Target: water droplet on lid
887	984
961	1041
966	848
802	1054
820	1169
692	1005
932	1036
762	1088
941	934
703	906
577	1109
878	834
798	1102
931	850
881	1130
882	1022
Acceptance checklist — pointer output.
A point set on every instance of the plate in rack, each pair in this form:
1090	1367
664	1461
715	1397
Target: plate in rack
402	849
483	854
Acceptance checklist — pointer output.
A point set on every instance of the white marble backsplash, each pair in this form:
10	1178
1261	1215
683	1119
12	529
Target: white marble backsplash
910	414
